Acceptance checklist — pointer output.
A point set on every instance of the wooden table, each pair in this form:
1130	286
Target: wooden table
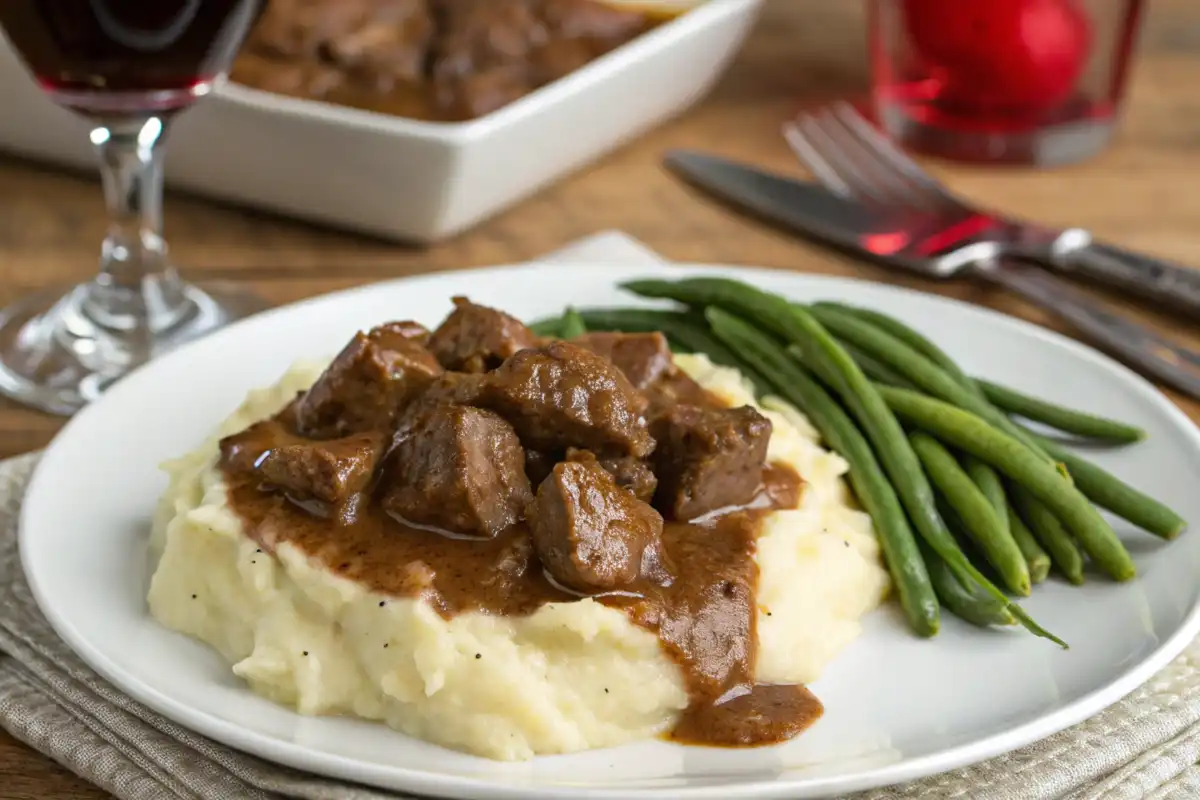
1141	193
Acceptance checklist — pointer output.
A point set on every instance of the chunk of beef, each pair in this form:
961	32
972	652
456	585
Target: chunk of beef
674	387
369	382
454	387
561	396
490	53
410	330
591	535
709	458
476	338
383	41
330	471
579	32
480	60
456	468
628	472
642	357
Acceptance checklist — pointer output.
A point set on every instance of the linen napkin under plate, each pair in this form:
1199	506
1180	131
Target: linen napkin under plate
1145	746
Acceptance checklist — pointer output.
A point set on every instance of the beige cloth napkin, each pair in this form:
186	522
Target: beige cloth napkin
1145	746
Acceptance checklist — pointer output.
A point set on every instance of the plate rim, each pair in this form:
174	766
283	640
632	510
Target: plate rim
440	784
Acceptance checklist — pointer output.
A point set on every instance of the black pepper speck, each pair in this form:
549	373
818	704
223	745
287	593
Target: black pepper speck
193	597
385	644
304	653
381	603
479	655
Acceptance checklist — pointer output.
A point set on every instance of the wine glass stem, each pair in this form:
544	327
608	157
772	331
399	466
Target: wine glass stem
137	295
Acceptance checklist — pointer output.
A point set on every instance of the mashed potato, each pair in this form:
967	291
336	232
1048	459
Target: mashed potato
570	677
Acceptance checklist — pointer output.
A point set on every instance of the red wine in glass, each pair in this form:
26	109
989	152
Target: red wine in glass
127	55
128	67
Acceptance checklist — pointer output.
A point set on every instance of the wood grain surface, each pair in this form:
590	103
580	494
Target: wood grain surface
1141	193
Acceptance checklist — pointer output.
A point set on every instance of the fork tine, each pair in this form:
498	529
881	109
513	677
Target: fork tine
887	184
811	157
887	152
831	152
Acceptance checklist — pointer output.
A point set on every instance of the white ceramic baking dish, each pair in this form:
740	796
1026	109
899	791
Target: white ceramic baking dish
399	178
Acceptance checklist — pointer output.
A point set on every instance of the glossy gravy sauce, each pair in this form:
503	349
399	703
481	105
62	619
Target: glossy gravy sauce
705	619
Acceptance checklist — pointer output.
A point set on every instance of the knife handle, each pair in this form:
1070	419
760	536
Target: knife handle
1140	347
1152	278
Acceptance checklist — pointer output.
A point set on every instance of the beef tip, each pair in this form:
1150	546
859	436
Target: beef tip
642	357
386	40
601	24
561	396
709	458
454	387
480	61
628	472
579	32
409	330
591	535
369	382
330	471
456	468
477	338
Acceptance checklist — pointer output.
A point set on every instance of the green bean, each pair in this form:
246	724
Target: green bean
992	487
572	324
1048	530
979	519
988	482
967	432
1108	491
1064	419
548	328
870	484
1036	558
832	363
911	337
920	370
966	601
875	369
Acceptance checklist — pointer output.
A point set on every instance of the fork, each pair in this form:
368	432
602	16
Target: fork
852	159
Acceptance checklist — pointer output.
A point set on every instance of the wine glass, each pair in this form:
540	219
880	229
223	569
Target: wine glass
128	67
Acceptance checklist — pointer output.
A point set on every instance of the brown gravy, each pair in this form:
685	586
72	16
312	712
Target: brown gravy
706	618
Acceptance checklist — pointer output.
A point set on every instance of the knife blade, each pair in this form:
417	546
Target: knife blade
813	211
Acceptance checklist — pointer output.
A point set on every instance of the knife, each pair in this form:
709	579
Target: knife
881	233
769	196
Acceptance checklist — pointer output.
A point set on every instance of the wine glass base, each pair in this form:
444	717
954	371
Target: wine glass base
55	357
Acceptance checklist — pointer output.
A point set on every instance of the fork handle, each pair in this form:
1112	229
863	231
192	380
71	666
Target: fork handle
1154	279
1140	347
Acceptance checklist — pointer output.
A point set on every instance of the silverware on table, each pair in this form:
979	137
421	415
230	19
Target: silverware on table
886	233
851	157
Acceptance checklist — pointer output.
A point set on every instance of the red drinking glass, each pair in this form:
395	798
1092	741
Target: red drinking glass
128	67
1008	81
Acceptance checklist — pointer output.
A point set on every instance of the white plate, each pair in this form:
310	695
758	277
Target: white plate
897	707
